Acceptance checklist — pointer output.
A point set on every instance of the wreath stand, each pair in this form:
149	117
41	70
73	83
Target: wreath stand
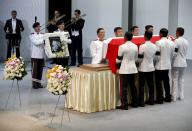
65	102
18	88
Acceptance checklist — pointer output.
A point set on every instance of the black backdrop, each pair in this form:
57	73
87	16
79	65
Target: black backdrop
64	6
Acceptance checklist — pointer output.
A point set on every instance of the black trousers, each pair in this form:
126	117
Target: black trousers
37	71
126	81
62	61
162	76
146	77
13	44
76	47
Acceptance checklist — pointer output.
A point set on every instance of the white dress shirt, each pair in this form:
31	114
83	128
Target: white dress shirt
37	45
148	50
14	25
96	49
129	54
166	48
180	58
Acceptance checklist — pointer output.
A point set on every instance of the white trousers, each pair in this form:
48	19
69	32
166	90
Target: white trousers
178	83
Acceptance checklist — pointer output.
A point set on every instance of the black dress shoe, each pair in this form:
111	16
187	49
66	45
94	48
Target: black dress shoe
159	102
142	105
134	105
40	86
167	99
72	64
79	65
150	103
35	87
122	107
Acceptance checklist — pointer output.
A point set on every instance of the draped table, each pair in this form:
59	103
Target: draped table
93	91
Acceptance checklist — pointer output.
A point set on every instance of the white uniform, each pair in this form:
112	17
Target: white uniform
97	51
166	48
129	54
148	50
37	55
178	67
37	45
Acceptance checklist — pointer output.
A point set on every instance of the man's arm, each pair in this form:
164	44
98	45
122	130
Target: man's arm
21	25
79	24
6	26
93	49
36	41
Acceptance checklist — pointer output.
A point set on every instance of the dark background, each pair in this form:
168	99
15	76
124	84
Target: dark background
64	7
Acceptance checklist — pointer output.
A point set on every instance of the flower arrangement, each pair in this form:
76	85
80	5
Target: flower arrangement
64	51
59	80
14	68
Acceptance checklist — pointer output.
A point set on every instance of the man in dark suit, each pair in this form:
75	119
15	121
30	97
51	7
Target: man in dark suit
76	37
13	29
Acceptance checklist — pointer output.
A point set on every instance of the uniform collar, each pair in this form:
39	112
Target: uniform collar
100	40
147	41
163	38
60	30
37	33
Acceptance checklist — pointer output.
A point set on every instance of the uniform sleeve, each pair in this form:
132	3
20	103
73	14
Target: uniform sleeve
105	47
120	55
157	53
141	52
37	41
136	54
93	49
69	41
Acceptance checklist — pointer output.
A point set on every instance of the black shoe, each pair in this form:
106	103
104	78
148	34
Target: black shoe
40	86
159	102
79	65
142	105
167	99
150	103
72	64
134	105
122	107
35	87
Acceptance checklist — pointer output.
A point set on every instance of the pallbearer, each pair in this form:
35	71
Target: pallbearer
135	30
149	28
147	53
179	65
37	55
127	56
118	31
96	47
163	65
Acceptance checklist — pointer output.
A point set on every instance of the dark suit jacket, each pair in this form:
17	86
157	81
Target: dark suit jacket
78	26
19	28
